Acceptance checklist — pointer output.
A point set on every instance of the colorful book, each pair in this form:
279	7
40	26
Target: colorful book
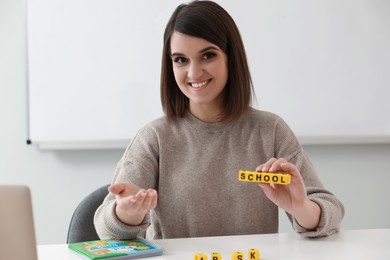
116	249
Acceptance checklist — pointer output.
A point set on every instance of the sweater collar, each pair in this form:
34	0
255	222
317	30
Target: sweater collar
207	127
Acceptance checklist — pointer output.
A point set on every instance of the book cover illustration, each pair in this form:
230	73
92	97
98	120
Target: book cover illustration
117	249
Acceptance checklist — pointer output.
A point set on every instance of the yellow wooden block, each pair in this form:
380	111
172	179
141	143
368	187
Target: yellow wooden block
237	256
266	177
253	254
216	256
200	257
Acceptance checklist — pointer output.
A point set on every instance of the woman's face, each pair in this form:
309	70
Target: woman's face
200	69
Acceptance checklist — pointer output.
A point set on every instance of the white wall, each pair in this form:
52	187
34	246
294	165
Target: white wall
357	174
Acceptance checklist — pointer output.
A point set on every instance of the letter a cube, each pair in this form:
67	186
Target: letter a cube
200	257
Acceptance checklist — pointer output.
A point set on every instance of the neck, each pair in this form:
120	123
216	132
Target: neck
206	113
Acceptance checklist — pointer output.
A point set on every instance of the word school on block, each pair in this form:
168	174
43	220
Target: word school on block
265	177
253	254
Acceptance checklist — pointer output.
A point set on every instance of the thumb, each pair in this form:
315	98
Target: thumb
268	190
117	188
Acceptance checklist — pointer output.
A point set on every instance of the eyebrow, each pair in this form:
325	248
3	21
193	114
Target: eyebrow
201	51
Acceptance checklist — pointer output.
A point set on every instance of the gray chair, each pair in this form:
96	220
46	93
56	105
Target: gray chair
81	227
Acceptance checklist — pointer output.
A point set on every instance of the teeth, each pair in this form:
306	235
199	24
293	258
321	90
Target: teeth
199	84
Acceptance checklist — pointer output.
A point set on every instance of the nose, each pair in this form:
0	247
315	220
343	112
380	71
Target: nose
195	70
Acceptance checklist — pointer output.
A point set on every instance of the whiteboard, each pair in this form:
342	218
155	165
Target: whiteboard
94	67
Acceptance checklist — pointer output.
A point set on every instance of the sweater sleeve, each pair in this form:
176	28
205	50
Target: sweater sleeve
138	165
332	210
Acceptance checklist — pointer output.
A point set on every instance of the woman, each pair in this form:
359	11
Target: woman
178	176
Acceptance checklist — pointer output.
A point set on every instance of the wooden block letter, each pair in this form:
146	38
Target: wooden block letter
253	254
237	256
216	256
200	257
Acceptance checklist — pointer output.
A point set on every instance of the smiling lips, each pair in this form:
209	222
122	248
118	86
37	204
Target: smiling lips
199	84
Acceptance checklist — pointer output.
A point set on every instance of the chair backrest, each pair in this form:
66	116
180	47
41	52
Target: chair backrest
81	227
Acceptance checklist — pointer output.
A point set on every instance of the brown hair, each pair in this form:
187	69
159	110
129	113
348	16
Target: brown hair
207	20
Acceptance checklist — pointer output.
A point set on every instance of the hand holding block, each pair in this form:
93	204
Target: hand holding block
265	177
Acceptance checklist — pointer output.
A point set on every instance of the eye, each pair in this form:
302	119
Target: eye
209	55
180	60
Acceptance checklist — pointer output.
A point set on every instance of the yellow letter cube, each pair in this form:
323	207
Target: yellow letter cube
216	256
237	256
200	257
253	254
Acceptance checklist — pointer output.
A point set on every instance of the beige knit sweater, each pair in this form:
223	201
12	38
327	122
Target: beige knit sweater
194	167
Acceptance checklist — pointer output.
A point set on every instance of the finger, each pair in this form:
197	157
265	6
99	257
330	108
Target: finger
150	201
276	165
140	196
129	200
267	165
259	168
131	203
154	200
146	201
269	191
291	169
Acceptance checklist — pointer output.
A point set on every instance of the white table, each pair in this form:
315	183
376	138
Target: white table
348	244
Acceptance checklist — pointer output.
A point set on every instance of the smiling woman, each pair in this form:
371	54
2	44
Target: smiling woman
182	168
